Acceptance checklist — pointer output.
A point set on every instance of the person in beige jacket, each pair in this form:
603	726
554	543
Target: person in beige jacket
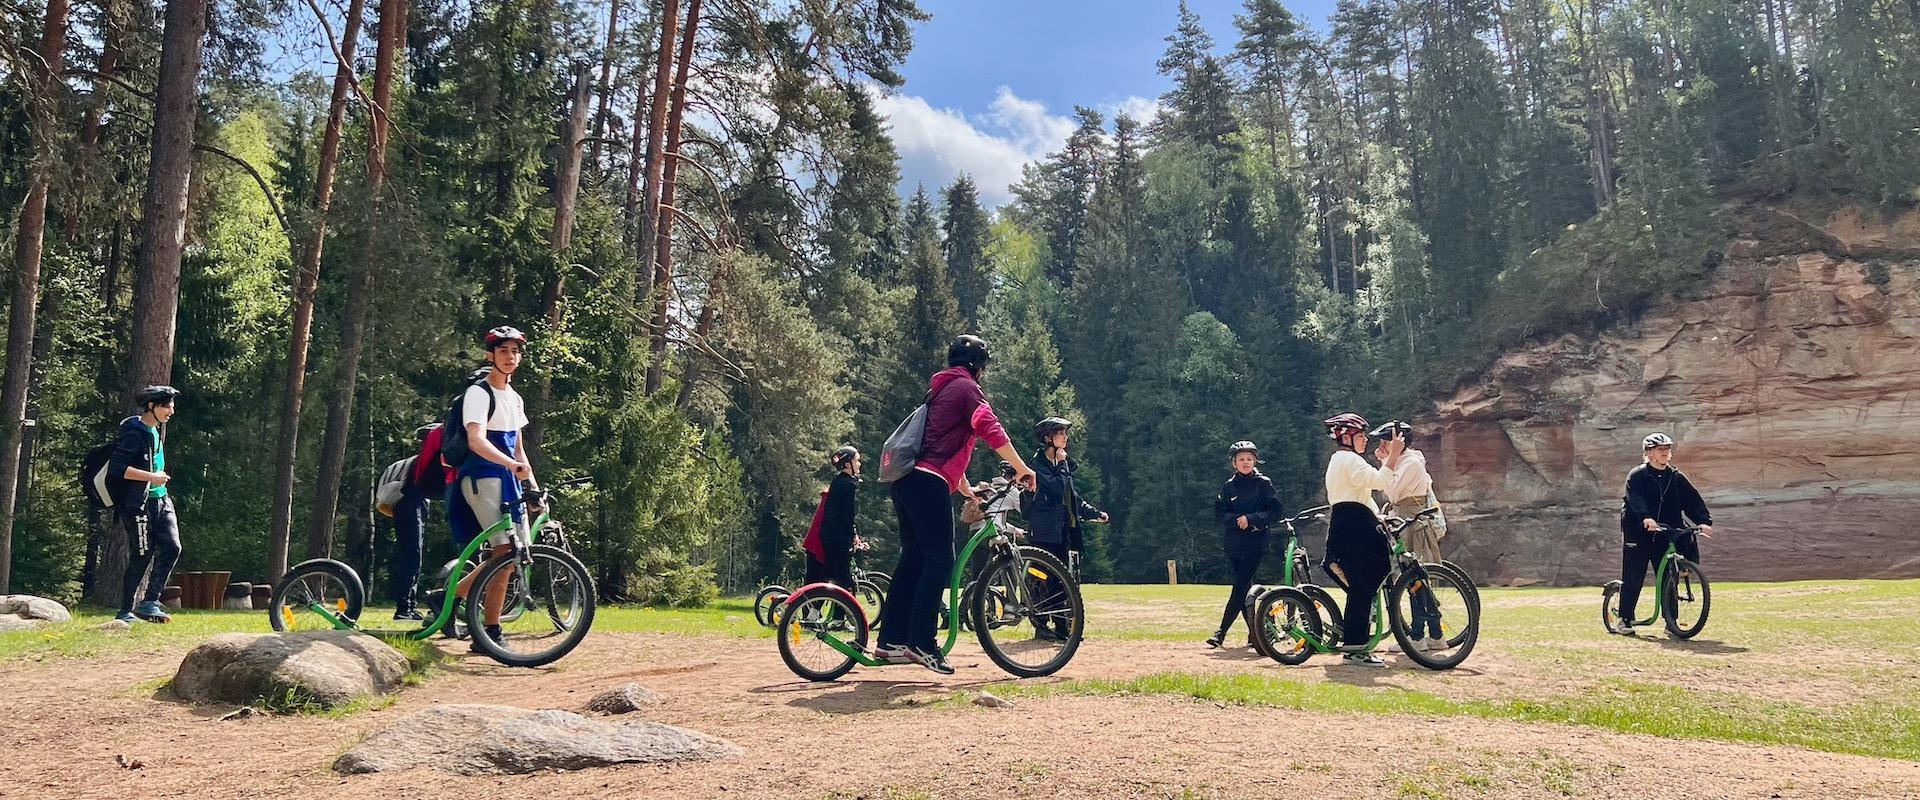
1410	491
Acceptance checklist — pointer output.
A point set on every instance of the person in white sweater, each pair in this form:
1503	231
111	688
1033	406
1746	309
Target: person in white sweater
1357	549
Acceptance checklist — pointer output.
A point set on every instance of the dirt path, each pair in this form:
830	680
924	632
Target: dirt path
872	735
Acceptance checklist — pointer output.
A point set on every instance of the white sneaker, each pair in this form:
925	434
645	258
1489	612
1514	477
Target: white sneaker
1363	660
1433	645
891	654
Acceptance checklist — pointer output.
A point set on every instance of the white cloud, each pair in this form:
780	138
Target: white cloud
1141	109
938	144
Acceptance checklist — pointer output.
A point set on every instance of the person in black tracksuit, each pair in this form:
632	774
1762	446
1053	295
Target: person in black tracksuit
1055	514
1657	494
143	510
836	523
1247	506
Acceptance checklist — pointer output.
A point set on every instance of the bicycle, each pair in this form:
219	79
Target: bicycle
823	632
541	575
869	585
1293	630
1674	577
1294	571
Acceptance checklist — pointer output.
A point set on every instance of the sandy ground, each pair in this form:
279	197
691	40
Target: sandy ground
872	734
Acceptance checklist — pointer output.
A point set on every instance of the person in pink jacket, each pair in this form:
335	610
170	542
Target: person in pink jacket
957	415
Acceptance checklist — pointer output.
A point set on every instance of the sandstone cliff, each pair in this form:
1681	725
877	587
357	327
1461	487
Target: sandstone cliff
1791	380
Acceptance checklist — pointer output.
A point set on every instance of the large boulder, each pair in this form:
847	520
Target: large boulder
29	611
502	740
328	668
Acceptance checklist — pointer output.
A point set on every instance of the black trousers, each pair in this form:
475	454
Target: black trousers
1356	544
1048	591
1242	569
409	537
1641	550
153	540
911	616
838	568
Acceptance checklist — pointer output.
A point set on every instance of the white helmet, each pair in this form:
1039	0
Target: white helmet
1654	440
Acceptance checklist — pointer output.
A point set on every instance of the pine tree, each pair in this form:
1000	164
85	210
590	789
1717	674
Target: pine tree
964	223
932	318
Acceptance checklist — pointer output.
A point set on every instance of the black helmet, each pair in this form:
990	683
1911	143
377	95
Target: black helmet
503	334
844	456
968	351
1006	470
158	394
423	430
1046	428
1243	446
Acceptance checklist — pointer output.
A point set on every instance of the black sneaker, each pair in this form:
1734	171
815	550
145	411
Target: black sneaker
1046	633
932	660
407	615
1214	641
491	632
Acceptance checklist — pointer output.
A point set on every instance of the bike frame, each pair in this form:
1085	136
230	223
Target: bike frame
1287	577
1660	578
991	531
1381	630
444	616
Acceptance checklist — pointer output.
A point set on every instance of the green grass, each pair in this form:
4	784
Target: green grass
1887	727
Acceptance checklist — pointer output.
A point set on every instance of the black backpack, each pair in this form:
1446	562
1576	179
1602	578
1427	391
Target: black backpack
453	428
103	490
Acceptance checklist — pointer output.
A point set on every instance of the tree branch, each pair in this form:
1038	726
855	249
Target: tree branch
265	190
333	44
87	73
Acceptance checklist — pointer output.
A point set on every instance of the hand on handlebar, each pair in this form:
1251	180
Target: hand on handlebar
1024	478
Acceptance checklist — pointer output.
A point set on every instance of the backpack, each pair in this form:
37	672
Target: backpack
812	543
393	484
454	448
100	487
429	477
902	449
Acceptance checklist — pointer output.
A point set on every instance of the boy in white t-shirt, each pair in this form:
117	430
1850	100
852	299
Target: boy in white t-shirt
488	481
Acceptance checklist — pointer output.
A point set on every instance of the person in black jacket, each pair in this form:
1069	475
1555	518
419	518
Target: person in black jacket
143	510
1247	506
835	560
1657	495
1056	511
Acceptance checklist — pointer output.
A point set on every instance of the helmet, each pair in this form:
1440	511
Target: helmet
1654	440
968	351
1344	425
1243	446
1046	428
1006	470
504	334
423	430
158	394
1386	431
845	455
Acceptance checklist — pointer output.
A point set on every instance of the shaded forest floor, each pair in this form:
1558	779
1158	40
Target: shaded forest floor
1794	690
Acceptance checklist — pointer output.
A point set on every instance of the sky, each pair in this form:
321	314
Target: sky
991	84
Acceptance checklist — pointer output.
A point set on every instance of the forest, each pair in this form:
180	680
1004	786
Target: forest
695	210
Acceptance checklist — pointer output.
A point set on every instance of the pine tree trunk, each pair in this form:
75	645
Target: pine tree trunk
333	456
163	225
306	279
566	196
109	66
26	274
605	88
663	250
156	293
656	135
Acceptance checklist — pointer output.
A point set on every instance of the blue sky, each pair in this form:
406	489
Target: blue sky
991	84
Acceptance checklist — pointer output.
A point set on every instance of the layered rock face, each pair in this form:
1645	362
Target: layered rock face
1791	380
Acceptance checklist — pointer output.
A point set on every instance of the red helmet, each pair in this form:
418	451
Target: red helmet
1344	425
504	334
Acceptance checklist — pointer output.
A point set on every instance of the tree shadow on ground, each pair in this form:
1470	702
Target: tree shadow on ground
1710	647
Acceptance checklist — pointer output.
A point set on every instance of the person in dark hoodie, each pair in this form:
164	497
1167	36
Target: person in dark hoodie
143	510
1658	494
1056	511
1247	506
957	416
830	554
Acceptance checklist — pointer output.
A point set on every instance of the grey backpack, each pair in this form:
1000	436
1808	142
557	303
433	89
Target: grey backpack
902	449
